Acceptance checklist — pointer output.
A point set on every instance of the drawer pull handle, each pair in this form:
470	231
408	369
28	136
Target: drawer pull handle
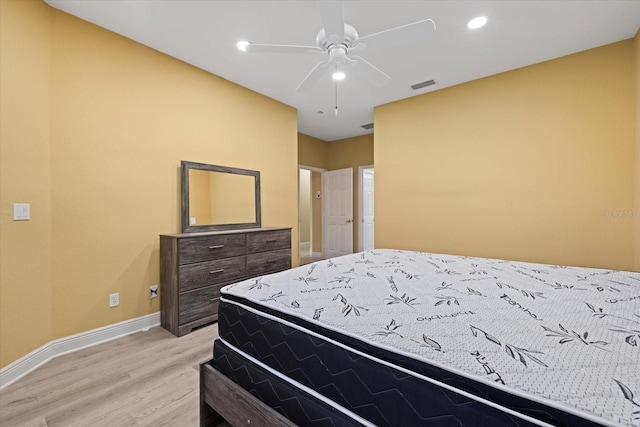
216	247
271	240
217	271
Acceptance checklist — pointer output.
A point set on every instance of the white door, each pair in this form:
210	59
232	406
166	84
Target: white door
337	208
366	206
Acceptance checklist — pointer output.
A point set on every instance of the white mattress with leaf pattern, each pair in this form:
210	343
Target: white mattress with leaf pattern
565	336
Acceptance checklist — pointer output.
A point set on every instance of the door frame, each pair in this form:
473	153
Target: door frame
361	170
312	169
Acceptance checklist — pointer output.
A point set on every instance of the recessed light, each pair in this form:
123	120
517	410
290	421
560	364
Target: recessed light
339	75
242	45
477	22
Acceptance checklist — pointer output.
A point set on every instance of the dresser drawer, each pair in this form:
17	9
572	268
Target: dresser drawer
200	303
207	248
266	241
201	274
268	262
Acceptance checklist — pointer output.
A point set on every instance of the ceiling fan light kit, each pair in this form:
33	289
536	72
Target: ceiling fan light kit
338	75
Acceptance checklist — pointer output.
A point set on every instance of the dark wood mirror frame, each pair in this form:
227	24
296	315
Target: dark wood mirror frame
186	227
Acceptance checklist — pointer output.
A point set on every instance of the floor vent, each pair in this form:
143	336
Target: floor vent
367	126
423	84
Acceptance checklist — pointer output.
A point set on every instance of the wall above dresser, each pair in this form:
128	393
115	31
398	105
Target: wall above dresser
194	266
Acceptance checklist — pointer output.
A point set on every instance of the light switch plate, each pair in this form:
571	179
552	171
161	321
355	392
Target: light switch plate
21	211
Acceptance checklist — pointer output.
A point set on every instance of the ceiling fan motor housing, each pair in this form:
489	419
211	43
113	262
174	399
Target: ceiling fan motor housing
332	42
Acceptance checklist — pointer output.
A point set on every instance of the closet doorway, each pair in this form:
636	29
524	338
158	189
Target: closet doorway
310	214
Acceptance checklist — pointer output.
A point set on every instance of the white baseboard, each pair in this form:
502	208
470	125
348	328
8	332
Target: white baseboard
316	254
21	367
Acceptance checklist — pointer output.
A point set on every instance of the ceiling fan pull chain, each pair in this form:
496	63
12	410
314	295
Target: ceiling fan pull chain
336	110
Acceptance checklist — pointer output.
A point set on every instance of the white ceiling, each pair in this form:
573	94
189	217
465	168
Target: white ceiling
204	33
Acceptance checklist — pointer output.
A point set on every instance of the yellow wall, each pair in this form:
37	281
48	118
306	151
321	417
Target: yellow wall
25	177
352	153
93	130
523	165
312	151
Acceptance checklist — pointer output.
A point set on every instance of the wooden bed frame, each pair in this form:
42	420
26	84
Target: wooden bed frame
223	401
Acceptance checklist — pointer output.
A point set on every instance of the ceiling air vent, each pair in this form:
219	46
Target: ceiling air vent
367	126
423	84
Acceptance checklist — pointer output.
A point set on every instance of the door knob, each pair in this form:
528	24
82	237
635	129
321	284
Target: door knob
349	221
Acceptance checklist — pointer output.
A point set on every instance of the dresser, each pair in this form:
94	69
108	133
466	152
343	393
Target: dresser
194	266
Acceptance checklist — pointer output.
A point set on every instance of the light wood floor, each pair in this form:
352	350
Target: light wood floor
145	379
306	256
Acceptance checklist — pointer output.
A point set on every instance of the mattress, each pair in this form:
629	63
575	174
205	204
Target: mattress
305	409
390	337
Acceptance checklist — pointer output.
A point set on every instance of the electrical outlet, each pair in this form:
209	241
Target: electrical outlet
114	300
153	291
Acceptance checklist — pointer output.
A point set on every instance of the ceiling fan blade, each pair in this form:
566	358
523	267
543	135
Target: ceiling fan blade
412	32
333	19
371	73
314	76
281	48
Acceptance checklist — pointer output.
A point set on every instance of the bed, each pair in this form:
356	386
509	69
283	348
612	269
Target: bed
403	338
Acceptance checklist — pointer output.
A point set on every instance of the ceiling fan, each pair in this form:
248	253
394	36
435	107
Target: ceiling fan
341	43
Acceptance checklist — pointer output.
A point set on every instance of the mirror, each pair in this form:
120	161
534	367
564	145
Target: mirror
219	198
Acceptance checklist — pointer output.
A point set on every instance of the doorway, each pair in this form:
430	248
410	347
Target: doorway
310	214
365	190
